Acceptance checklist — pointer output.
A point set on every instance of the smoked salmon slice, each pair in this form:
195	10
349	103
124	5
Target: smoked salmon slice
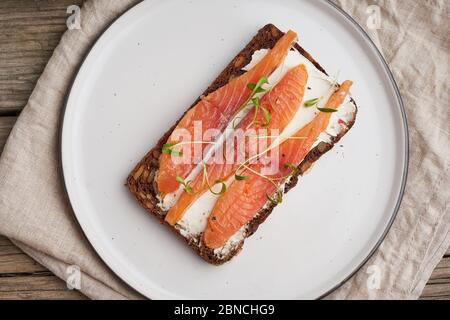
243	199
280	105
214	112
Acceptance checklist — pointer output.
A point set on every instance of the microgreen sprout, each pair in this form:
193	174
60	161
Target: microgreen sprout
327	110
168	148
277	199
266	116
223	189
255	88
312	102
292	167
240	178
185	184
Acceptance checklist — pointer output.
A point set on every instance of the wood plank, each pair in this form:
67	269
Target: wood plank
4	242
442	272
6	124
36	286
38	281
437	290
29	32
438	287
14	261
23	278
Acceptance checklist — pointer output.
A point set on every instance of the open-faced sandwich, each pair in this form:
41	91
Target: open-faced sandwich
219	172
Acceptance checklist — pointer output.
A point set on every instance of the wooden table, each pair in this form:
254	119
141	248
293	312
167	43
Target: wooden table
29	31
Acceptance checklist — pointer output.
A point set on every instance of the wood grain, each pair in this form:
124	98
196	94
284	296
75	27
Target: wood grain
438	287
14	261
29	32
6	124
23	278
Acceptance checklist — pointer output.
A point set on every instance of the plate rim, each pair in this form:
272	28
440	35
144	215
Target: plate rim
405	130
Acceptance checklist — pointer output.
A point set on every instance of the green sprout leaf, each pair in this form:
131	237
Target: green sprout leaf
185	184
292	167
276	199
255	102
240	178
327	110
261	81
266	115
222	189
312	102
168	148
257	87
188	189
252	86
235	122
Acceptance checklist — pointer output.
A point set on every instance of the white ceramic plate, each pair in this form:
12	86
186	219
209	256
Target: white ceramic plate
143	73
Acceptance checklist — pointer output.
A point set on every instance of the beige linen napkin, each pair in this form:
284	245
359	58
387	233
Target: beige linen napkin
414	38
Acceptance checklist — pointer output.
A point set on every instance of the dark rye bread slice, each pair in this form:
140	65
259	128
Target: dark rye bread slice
141	181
